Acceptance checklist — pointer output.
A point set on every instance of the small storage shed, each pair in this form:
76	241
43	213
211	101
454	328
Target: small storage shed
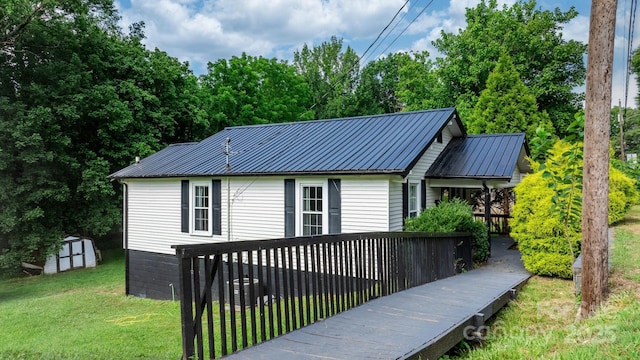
76	252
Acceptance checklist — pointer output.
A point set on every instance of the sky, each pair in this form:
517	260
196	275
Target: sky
202	31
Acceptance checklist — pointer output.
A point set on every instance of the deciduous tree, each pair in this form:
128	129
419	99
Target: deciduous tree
332	75
79	100
250	90
548	64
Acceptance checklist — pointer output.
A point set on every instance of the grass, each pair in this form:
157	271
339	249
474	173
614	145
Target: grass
542	322
85	315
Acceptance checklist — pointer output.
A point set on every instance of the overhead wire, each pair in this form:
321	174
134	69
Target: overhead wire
630	34
408	25
344	73
385	29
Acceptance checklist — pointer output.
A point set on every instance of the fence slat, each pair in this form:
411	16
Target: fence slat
298	281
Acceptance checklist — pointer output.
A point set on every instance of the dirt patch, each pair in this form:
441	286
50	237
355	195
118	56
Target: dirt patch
619	281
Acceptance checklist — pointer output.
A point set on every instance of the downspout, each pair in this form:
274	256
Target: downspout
125	233
487	211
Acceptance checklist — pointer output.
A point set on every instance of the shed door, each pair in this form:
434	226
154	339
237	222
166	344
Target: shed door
71	256
77	250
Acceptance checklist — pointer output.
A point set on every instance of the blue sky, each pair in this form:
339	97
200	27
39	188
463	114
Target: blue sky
199	31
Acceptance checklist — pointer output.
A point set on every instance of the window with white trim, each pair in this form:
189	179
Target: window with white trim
312	210
414	208
201	208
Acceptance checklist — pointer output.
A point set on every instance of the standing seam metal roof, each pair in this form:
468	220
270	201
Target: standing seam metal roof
490	156
377	144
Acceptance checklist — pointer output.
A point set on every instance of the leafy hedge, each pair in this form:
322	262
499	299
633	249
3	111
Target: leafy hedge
451	216
543	237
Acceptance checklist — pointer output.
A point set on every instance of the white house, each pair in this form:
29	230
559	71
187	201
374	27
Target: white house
345	175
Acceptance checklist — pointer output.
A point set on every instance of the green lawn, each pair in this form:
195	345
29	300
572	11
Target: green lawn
542	324
85	315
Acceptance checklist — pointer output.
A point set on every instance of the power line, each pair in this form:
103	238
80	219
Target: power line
407	27
344	74
389	33
383	30
631	31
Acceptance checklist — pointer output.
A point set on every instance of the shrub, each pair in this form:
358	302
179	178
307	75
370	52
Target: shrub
451	216
543	237
623	194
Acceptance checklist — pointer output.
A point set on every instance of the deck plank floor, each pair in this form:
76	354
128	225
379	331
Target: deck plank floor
425	320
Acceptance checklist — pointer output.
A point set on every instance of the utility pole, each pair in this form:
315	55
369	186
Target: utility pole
621	123
595	267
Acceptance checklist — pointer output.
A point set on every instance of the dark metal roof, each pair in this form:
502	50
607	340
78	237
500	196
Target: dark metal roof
491	156
378	144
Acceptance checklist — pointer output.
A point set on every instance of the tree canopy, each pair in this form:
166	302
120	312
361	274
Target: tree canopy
80	98
249	90
547	63
331	74
507	105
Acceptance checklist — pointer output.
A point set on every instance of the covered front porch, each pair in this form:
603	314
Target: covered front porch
483	170
491	204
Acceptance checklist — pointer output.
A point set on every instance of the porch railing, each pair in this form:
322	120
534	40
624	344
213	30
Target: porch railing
236	294
499	223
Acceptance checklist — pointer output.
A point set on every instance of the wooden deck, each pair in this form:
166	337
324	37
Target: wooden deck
426	320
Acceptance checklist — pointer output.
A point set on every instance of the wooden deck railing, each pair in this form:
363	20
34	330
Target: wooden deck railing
499	223
236	294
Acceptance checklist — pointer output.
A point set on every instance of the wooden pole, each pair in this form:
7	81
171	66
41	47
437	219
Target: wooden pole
596	156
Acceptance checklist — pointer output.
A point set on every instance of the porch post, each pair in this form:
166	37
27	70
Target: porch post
507	209
487	211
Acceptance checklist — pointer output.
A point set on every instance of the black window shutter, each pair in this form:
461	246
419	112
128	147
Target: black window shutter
184	206
216	203
423	194
335	217
405	202
289	208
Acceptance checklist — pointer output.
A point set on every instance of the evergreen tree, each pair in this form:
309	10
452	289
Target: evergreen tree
507	105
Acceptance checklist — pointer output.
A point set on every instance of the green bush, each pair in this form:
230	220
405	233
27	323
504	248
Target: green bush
543	237
623	194
451	216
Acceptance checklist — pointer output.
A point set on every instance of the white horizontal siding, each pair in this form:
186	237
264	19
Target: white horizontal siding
154	220
515	178
427	159
422	166
433	194
365	204
257	208
395	205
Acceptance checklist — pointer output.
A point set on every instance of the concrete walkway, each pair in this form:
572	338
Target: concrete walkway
427	320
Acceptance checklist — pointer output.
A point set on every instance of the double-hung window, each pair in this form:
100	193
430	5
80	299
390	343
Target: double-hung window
312	210
413	199
312	207
201	208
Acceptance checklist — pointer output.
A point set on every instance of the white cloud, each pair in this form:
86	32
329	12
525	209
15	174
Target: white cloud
206	30
577	29
199	31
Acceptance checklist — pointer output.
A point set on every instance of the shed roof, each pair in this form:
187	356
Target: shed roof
377	144
490	156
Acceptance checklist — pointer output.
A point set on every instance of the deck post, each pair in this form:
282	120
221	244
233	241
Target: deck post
186	306
487	212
